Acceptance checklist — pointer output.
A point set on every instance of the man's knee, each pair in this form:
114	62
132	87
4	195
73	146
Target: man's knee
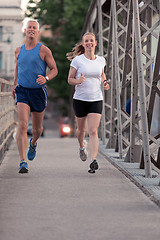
37	131
22	126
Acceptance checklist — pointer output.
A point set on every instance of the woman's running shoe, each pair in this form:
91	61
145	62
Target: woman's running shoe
83	152
93	166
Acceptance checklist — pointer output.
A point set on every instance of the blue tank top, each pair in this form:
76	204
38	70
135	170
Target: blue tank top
30	65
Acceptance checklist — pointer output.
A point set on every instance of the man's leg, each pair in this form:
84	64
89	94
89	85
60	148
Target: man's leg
23	111
37	126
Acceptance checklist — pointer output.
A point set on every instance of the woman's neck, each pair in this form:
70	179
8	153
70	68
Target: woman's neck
90	55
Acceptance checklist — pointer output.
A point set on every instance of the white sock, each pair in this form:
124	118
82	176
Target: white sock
92	159
82	148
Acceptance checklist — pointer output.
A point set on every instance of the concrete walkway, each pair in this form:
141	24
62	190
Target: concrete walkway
59	200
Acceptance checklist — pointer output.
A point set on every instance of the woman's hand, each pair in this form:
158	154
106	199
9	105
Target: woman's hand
82	78
106	84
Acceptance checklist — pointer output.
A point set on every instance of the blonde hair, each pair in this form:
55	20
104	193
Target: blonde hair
78	49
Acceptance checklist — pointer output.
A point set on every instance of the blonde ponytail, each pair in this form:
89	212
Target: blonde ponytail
77	50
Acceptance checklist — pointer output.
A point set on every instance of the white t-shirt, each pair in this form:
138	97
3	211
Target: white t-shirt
90	90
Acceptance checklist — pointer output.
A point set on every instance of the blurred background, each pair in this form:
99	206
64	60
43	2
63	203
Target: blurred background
61	23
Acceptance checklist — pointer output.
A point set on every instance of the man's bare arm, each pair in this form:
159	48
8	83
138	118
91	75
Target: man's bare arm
15	73
47	56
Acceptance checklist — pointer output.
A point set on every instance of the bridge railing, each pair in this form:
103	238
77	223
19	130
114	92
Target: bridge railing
7	115
128	34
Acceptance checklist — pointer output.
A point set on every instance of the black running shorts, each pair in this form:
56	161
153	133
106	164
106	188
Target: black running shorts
82	108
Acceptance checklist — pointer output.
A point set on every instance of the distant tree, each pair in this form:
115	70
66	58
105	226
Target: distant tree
66	19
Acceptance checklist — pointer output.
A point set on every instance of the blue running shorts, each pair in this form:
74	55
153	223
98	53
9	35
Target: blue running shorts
35	98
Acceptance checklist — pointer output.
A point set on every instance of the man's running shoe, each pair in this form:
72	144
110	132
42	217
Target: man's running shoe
93	166
23	168
32	151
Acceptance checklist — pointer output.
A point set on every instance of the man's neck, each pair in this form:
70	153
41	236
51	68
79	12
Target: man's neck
30	43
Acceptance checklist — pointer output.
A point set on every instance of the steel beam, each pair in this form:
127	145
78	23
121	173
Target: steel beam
117	77
134	72
143	108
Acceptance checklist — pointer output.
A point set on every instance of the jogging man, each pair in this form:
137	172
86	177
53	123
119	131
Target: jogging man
29	89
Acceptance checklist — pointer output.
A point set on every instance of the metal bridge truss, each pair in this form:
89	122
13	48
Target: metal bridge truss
128	33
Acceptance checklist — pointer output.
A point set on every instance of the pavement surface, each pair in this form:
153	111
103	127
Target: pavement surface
59	200
150	186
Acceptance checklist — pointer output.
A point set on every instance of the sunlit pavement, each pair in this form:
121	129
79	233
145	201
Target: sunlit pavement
59	200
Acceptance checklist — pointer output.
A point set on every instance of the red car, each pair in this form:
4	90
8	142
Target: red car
64	128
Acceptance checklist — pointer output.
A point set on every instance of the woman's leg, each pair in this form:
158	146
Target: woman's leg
93	120
81	130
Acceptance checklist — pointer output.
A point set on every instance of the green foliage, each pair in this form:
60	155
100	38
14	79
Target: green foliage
66	18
